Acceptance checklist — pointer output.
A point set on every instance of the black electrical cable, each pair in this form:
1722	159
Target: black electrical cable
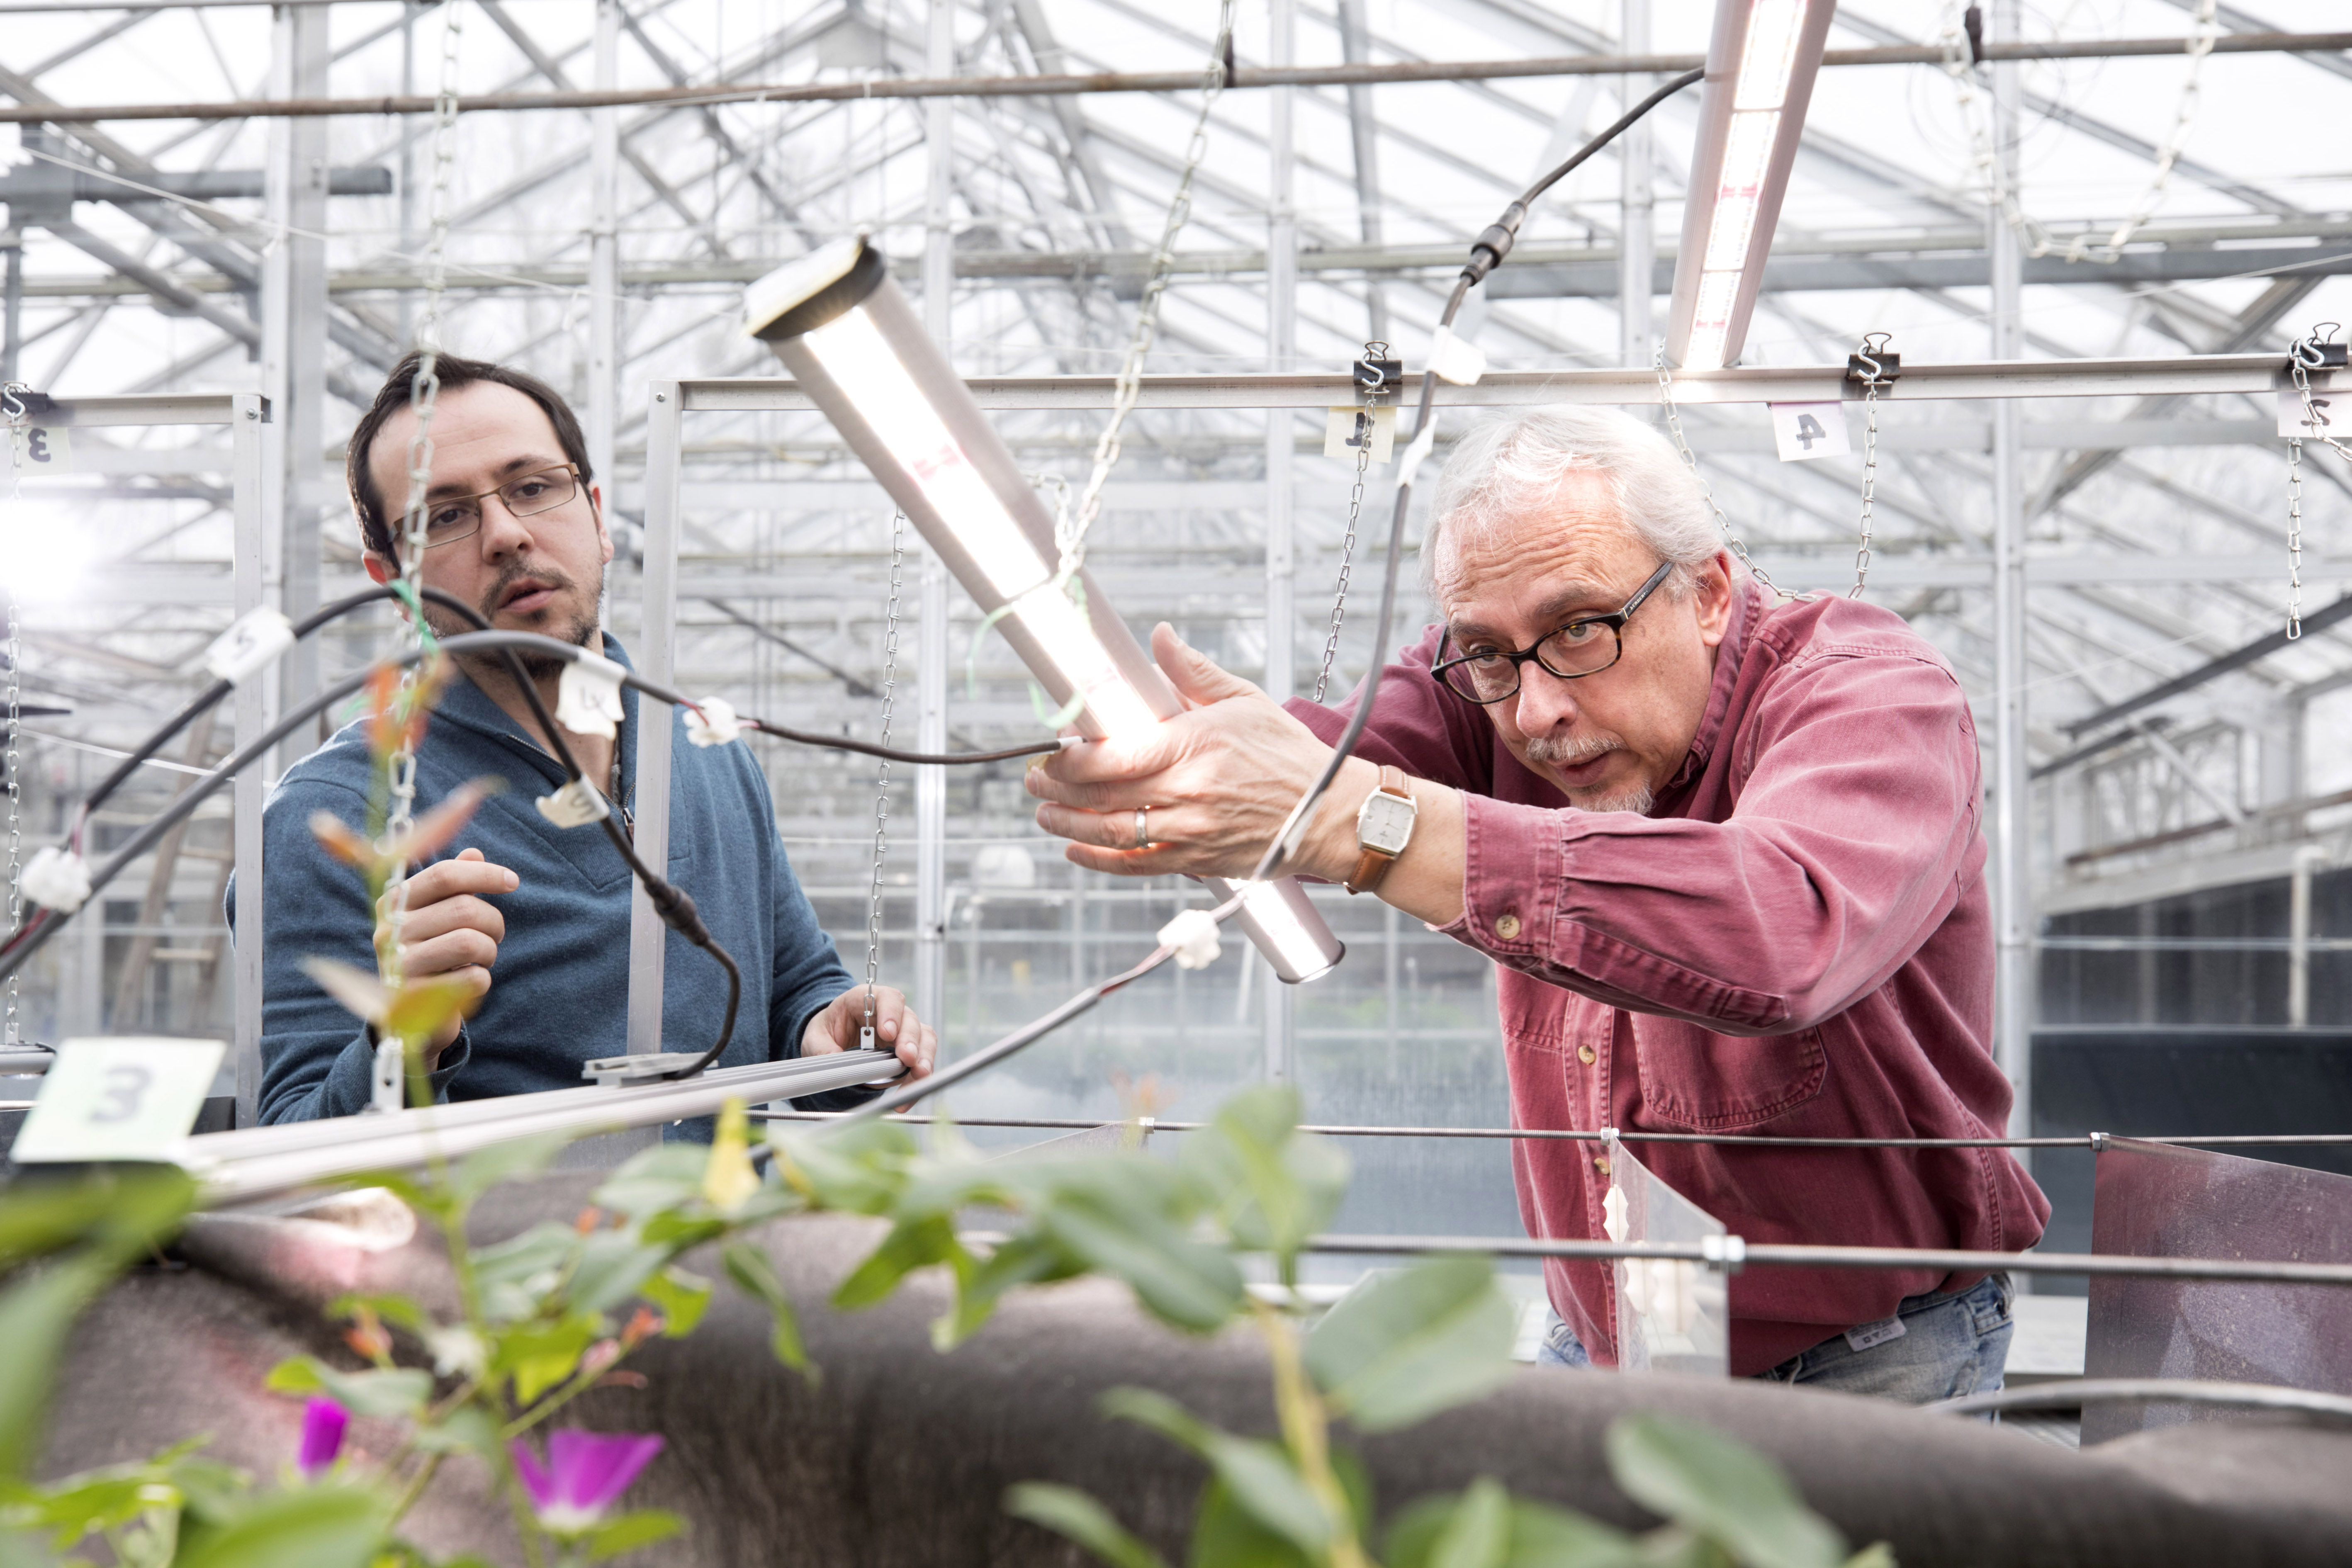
891	753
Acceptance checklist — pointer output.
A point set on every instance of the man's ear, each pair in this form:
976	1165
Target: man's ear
379	570
596	511
1712	599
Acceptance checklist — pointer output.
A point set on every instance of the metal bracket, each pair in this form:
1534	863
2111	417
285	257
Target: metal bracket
1872	365
2098	1142
1724	1255
2315	353
1378	380
646	1067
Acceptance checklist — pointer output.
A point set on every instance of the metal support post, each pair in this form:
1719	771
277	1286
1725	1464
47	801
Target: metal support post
247	414
2013	801
12	301
931	649
2309	859
1356	49
604	259
657	657
294	332
1282	347
1637	239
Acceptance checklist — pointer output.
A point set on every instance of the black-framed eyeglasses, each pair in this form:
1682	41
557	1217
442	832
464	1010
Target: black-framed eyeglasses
1586	646
452	519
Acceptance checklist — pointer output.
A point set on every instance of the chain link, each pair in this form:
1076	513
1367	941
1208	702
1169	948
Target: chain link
1681	444
1870	386
424	393
10	1027
2301	361
2038	241
882	780
1374	352
1070	530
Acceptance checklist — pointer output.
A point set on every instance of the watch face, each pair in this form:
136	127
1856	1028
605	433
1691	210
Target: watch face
1385	823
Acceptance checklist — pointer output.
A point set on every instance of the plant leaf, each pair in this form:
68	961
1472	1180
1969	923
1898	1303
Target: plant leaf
613	1266
541	1355
440	824
628	1531
313	1527
1719	1487
682	1297
662	1177
749	1268
34	1316
1402	1346
728	1179
362	993
402	1391
1186	1283
1539	1537
1068	1512
912	1245
1259	1474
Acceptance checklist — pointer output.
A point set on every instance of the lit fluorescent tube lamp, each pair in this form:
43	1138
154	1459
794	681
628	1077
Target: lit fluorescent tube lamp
1760	77
852	340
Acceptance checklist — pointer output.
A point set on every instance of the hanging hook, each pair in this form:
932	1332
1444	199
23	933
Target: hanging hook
2316	353
1872	365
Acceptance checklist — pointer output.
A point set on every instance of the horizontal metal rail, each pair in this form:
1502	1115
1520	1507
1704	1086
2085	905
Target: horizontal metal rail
257	1162
2178	375
146	408
1729	1253
1136	81
2076	1393
1536	1134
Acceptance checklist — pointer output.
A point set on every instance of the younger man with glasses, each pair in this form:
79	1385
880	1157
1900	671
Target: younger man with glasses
533	916
1725	851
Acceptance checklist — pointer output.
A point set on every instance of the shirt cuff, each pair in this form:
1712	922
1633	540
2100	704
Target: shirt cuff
1515	857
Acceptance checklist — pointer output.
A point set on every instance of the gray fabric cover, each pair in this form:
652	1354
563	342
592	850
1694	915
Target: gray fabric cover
900	1455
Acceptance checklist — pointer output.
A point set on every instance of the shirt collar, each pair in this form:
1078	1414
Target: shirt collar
468	706
1747	606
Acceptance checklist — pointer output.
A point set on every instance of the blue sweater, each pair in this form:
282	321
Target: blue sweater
560	989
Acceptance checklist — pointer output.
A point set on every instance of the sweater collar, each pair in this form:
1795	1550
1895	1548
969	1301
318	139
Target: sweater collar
469	707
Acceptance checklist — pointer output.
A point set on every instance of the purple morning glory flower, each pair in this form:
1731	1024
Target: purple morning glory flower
323	1425
584	1472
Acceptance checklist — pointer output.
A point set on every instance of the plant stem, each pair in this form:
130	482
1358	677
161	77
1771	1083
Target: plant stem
1307	1433
416	1488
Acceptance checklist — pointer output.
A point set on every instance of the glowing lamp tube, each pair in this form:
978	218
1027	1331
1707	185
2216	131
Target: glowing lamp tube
849	337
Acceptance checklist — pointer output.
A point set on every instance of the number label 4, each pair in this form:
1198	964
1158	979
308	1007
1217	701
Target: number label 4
1806	430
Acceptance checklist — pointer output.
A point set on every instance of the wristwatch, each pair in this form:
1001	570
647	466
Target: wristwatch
1383	827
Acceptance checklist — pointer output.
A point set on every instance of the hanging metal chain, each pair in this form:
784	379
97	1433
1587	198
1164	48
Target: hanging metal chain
1723	524
10	1028
2039	241
1871	382
1070	533
2306	357
1374	351
882	780
424	393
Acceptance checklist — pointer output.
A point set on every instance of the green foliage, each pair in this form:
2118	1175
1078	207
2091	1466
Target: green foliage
748	1266
1720	1488
401	1392
1260	1476
628	1532
323	1527
1403	1346
1071	1512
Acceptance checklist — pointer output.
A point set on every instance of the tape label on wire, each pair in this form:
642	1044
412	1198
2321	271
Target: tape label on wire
715	725
576	805
1420	447
588	696
56	879
252	643
1456	361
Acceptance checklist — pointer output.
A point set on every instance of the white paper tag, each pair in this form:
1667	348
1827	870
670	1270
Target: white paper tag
2325	418
253	642
1805	430
127	1099
588	696
576	805
40	449
1866	1335
1456	361
1348	431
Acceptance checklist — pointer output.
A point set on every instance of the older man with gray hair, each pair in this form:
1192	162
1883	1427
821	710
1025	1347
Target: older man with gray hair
1725	851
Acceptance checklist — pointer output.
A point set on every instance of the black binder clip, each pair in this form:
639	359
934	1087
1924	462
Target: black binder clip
1378	379
1872	365
2317	353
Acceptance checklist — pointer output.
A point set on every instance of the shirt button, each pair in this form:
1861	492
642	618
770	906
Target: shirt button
1585	1055
1600	1163
1507	928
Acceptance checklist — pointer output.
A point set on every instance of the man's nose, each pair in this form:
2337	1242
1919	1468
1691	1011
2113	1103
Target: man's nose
1545	703
503	533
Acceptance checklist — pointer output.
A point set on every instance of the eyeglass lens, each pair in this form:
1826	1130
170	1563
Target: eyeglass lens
459	517
1585	647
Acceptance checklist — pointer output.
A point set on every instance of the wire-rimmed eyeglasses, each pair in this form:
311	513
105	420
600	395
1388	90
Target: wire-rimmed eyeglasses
451	519
1586	646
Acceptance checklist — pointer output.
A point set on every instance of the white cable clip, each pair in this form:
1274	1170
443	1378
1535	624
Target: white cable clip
1192	937
588	696
1723	1254
387	1091
576	805
252	643
56	879
1454	360
715	725
2098	1142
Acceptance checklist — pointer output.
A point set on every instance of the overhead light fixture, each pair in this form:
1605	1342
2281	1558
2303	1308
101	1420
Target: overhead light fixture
1759	78
851	338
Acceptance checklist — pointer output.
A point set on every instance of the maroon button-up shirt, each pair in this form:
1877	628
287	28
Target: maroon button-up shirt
1795	940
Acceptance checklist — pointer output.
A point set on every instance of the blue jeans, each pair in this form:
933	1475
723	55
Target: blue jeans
1950	1344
